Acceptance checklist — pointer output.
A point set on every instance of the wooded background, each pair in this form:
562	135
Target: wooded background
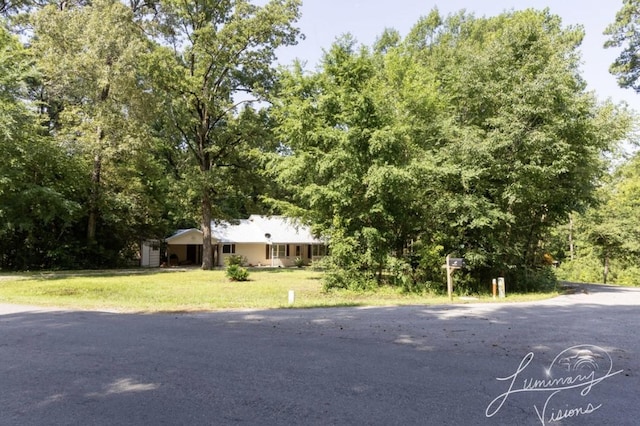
476	137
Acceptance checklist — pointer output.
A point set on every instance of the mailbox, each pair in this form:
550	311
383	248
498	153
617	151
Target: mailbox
456	262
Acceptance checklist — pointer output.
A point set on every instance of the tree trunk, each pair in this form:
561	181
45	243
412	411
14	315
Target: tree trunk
606	268
92	222
207	248
571	237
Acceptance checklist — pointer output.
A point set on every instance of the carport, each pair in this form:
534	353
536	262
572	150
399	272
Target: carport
185	247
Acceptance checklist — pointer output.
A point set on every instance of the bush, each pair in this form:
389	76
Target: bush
347	267
318	265
401	273
237	273
235	260
419	271
464	283
349	279
587	269
299	262
628	276
526	280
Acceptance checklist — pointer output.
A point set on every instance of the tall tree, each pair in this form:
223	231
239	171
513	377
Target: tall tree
624	33
476	135
528	140
612	227
91	59
38	180
217	57
355	131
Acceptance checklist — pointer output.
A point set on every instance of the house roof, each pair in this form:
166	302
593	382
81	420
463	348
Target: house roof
257	229
243	232
284	230
186	236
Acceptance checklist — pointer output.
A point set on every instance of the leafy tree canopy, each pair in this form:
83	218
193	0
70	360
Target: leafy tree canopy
624	33
213	58
475	135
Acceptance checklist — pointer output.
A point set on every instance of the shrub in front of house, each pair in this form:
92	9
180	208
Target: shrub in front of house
318	265
237	273
235	259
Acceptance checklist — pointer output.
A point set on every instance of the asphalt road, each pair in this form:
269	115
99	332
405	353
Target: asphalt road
348	366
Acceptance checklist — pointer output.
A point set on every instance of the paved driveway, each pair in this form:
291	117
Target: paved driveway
572	360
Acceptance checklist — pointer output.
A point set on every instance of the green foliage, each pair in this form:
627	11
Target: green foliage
586	269
237	273
510	171
608	234
426	261
351	279
219	63
628	275
318	265
346	266
401	273
98	107
475	135
38	179
624	33
418	270
235	260
523	280
132	130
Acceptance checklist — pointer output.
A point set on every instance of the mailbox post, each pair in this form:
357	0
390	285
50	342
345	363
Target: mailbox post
449	280
452	263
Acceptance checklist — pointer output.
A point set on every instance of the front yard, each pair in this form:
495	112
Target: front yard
196	290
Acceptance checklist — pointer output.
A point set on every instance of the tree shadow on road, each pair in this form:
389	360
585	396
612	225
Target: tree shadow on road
390	362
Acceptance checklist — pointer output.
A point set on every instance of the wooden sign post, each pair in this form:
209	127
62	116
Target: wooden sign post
452	263
449	280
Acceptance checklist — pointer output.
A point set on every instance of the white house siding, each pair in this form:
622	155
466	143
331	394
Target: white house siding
186	237
253	253
290	260
150	254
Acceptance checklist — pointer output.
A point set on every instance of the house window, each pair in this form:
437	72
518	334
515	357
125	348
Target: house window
279	251
228	248
298	251
319	250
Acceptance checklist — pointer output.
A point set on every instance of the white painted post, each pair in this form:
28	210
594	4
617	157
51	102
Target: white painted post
501	288
292	297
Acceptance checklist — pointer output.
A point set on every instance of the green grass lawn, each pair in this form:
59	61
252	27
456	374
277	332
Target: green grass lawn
196	290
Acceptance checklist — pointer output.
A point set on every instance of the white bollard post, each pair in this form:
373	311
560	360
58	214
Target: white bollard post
501	288
291	297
